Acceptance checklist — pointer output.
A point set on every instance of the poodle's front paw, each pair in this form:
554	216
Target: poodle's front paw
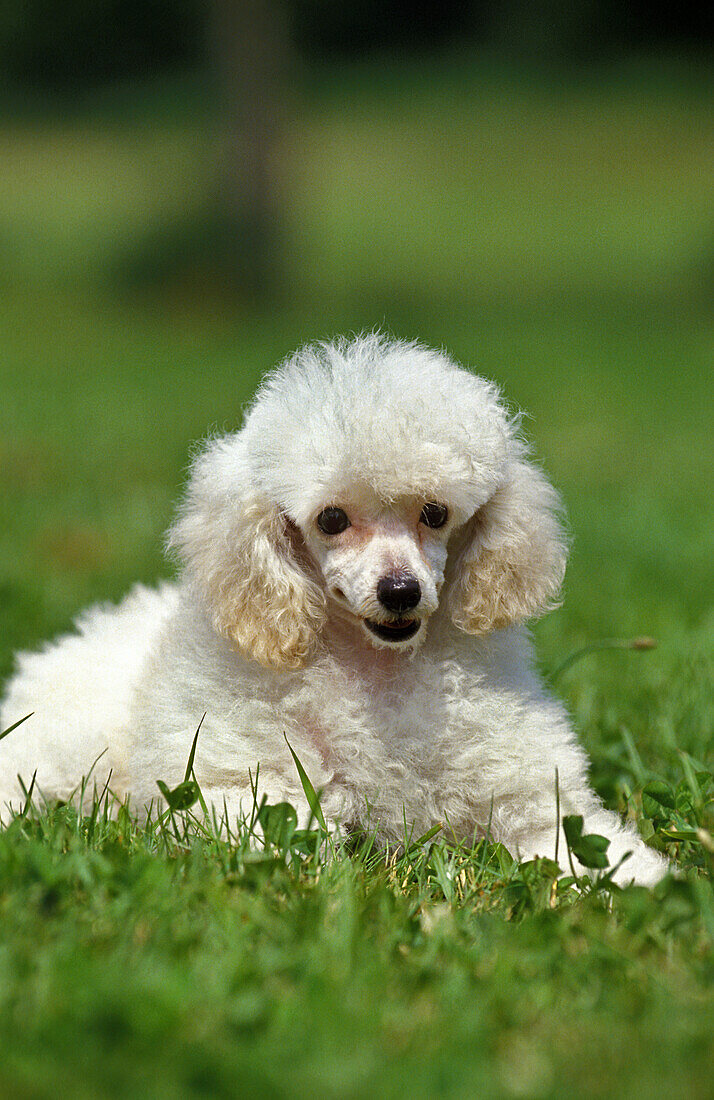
644	867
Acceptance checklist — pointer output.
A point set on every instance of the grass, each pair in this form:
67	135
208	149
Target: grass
168	961
556	235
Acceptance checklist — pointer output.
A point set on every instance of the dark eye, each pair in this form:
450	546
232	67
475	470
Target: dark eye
332	521
434	515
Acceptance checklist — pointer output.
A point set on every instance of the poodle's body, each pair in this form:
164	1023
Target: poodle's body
357	563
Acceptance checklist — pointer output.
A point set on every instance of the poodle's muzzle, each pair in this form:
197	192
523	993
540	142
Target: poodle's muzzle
393	612
397	607
398	593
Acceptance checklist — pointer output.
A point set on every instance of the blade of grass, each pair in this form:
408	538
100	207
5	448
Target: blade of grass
192	754
594	647
557	815
310	792
15	725
28	798
691	778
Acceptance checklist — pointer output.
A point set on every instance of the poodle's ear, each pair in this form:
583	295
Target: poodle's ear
239	553
513	554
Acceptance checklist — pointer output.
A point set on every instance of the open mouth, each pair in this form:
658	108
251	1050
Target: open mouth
398	631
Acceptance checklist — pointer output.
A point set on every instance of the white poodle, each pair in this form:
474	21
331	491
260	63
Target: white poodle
358	561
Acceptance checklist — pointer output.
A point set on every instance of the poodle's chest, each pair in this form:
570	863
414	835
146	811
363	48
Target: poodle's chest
399	732
413	755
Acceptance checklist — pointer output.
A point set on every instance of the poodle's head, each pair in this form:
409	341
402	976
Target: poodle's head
373	483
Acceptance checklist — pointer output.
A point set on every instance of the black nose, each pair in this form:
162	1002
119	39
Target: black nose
400	592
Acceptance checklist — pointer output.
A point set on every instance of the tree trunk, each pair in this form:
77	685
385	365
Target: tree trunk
250	50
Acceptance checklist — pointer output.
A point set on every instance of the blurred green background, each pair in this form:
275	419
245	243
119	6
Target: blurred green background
190	190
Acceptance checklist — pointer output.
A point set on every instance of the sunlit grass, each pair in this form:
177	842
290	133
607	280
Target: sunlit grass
183	957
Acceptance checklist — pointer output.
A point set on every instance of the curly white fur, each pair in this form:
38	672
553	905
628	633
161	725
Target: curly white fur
277	627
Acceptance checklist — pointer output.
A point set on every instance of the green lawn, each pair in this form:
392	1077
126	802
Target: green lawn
557	236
